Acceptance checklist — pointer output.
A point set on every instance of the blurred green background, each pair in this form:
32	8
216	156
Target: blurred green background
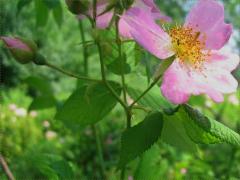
36	146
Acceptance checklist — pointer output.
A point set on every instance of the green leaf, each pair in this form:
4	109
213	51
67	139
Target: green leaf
115	66
39	84
151	165
21	4
53	166
174	133
41	13
42	102
139	138
164	66
153	99
58	14
204	130
51	4
88	105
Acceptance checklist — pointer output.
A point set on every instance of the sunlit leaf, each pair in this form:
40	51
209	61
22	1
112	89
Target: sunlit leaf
204	130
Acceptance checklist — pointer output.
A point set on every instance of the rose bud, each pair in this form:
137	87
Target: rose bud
77	6
23	50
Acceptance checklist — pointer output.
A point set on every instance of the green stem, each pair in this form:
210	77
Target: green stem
99	149
146	91
105	80
94	127
70	74
85	53
119	44
94	12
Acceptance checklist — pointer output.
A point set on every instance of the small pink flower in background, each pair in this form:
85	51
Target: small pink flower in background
200	66
183	170
46	124
12	107
50	135
234	99
33	114
20	112
130	177
109	140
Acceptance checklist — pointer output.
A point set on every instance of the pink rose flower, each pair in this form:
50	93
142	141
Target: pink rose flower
104	19
200	66
145	5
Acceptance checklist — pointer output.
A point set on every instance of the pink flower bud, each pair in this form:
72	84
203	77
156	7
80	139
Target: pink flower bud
23	50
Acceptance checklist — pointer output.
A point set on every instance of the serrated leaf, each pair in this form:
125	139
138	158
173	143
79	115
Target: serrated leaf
42	102
58	14
41	13
88	105
139	138
174	133
204	130
151	165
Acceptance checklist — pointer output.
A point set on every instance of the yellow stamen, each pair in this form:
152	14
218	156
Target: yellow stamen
188	47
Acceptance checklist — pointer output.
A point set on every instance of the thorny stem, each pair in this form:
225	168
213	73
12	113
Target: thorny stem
6	169
70	74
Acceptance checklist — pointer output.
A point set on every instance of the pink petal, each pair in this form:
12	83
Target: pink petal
227	61
214	79
147	33
15	43
207	16
156	13
150	8
124	28
104	20
175	84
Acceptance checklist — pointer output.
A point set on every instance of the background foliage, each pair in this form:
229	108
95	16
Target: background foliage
40	142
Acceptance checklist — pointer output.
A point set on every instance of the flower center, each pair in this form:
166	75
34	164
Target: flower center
187	46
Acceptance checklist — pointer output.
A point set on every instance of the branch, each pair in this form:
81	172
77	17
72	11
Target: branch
70	74
6	168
